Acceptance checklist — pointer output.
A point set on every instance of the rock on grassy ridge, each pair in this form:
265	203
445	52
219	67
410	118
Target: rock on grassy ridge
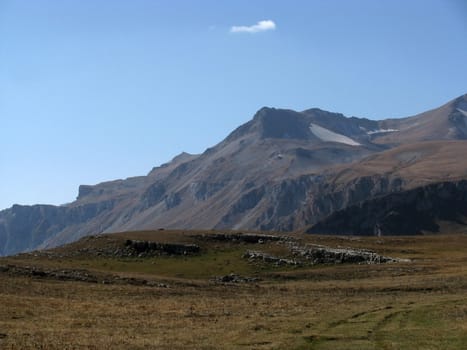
318	254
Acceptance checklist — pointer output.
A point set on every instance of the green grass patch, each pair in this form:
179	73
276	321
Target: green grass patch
210	263
418	326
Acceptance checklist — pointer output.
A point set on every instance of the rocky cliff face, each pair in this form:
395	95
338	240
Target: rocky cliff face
24	228
283	170
416	211
296	203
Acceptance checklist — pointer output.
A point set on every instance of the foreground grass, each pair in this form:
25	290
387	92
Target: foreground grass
417	305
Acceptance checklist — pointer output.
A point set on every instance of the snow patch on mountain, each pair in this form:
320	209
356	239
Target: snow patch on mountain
331	136
381	131
462	111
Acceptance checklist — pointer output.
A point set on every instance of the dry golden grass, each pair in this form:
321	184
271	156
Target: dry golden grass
418	163
416	305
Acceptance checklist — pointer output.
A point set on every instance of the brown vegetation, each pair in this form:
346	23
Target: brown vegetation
419	304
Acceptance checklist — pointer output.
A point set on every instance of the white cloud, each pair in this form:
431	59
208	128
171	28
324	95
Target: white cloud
261	26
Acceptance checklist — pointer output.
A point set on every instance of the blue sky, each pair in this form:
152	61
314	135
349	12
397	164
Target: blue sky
99	90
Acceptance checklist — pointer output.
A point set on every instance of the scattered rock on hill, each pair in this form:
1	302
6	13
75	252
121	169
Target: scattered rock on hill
233	278
79	275
113	248
240	237
146	248
253	255
318	254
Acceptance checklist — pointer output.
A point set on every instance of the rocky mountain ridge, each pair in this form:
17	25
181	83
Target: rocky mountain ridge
282	170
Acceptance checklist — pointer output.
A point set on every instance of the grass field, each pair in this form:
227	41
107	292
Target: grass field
421	304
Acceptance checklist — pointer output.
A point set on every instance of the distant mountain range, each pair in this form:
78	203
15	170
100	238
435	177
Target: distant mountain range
282	171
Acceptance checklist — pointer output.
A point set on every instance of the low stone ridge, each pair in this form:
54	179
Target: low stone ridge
79	275
240	237
233	278
318	254
253	255
146	248
117	249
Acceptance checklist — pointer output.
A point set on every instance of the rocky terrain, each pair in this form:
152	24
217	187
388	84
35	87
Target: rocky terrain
283	170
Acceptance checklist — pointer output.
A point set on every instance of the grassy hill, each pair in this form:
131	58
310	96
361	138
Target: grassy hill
199	290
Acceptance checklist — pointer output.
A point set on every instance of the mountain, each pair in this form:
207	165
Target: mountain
447	122
282	170
416	211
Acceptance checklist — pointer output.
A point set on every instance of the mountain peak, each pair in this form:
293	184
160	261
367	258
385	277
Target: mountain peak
281	124
313	125
274	123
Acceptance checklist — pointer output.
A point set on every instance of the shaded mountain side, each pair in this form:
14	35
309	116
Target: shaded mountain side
295	203
417	211
25	228
298	204
282	170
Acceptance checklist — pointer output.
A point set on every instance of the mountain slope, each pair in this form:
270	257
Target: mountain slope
298	202
282	170
448	122
420	210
